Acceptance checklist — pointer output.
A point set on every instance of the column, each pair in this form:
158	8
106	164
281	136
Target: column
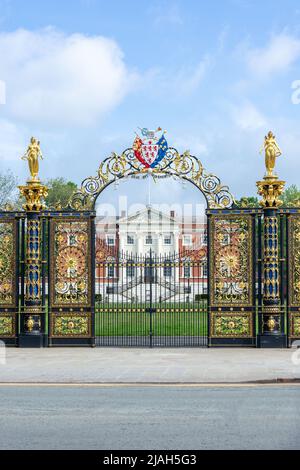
272	315
32	316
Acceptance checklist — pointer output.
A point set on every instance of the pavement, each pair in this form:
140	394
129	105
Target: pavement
157	417
146	366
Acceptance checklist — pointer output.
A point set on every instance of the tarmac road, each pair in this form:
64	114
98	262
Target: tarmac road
149	417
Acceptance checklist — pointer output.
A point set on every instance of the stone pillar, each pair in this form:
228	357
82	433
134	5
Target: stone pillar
272	315
32	316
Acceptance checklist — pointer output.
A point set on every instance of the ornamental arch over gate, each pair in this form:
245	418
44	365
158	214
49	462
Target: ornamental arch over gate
126	165
230	276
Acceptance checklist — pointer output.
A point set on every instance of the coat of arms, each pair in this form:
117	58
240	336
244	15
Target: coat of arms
150	149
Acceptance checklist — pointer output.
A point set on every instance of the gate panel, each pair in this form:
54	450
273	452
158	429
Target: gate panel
294	276
150	300
71	281
9	285
231	278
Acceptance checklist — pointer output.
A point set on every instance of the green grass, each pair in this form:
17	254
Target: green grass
168	320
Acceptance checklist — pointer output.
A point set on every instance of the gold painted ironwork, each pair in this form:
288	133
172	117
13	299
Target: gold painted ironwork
7	263
270	188
7	325
34	191
272	151
294	262
70	264
271	262
33	281
235	324
32	155
294	322
185	166
70	325
30	324
231	260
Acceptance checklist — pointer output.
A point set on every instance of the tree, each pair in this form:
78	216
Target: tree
248	202
8	189
60	192
291	196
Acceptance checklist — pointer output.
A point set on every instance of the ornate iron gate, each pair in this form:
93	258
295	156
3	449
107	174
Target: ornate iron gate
291	271
151	300
55	289
11	280
71	279
232	277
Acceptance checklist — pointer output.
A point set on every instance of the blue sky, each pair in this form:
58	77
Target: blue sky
82	75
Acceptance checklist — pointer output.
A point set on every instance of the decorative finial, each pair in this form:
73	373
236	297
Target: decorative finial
272	151
270	188
34	191
32	155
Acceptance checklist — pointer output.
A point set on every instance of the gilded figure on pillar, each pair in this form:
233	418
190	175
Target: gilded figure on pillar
32	155
272	151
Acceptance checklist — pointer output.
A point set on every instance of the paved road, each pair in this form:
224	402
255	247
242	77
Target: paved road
150	417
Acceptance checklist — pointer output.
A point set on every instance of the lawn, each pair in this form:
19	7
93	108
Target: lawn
167	320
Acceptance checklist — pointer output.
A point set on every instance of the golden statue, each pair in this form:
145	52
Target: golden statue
32	155
272	151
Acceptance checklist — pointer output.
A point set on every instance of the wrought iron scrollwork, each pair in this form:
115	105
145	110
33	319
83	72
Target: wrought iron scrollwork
185	166
70	267
7	264
231	260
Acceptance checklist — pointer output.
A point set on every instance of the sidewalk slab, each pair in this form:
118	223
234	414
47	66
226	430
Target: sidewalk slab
103	365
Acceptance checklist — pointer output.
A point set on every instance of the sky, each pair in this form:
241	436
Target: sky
83	75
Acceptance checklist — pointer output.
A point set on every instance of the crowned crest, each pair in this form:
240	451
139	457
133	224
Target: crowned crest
149	148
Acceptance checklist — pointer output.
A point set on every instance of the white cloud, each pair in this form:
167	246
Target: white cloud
247	117
12	144
56	78
278	55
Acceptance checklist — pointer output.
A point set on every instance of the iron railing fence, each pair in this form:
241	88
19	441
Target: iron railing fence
151	300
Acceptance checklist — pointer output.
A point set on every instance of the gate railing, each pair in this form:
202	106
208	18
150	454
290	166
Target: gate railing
155	311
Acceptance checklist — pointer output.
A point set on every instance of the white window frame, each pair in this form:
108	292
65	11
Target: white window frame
168	237
130	270
133	239
146	238
112	237
184	242
167	270
111	265
187	266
